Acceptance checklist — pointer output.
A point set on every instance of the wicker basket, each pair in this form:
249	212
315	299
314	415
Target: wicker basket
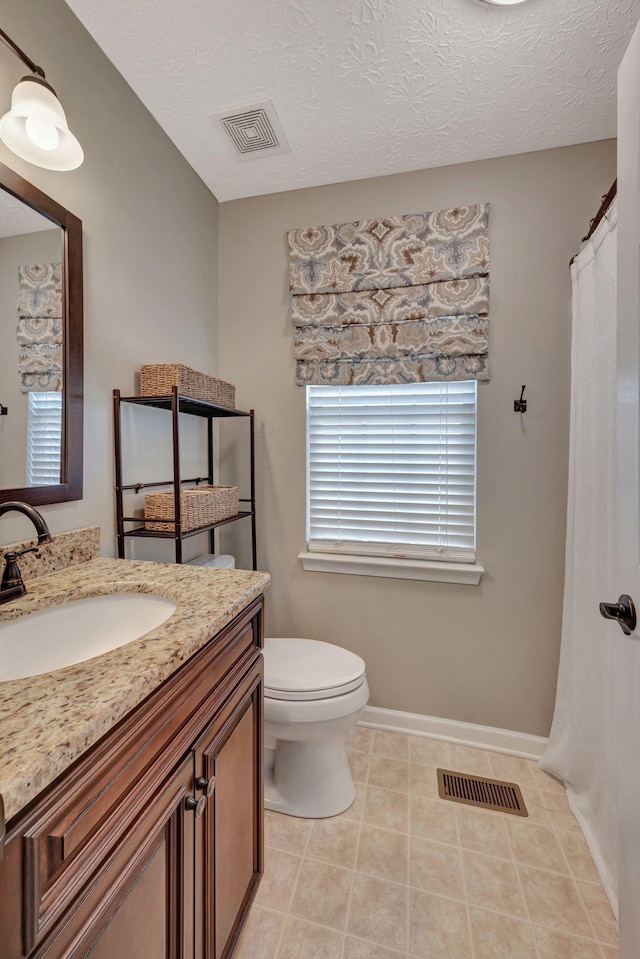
200	506
159	379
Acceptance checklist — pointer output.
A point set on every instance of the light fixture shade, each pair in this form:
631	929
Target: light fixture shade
36	129
503	3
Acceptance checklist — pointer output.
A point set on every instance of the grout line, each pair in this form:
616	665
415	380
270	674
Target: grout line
524	898
464	888
293	892
355	861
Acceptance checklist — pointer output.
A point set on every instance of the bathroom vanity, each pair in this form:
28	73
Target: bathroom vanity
132	782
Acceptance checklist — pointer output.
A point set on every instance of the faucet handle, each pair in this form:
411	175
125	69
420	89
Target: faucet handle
12	557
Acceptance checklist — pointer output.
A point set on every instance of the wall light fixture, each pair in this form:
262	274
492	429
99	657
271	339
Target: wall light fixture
36	128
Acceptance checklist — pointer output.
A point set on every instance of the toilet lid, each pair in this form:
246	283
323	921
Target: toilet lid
308	669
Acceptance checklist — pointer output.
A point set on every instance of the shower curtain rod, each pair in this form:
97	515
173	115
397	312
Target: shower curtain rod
607	200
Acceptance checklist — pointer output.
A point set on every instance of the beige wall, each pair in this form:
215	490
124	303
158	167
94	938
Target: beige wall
150	246
486	654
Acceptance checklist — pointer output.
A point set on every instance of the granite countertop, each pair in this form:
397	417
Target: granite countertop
48	721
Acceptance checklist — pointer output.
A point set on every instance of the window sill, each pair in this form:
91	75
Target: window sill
465	573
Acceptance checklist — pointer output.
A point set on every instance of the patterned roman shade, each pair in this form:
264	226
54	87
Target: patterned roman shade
39	307
403	299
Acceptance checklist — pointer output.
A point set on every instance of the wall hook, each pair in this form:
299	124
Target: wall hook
520	406
3	410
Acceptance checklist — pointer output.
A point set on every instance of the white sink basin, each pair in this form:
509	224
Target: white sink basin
74	632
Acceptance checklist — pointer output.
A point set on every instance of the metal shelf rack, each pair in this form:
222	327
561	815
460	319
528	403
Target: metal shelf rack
176	404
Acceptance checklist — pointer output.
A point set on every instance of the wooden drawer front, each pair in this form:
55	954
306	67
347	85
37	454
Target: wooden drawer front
90	811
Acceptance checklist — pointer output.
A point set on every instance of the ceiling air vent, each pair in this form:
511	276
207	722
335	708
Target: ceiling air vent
254	130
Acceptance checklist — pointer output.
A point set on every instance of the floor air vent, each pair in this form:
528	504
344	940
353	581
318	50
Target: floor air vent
478	791
254	130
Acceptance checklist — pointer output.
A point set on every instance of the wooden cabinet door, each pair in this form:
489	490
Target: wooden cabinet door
229	836
140	904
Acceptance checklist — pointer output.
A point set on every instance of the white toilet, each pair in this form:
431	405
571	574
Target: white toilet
314	692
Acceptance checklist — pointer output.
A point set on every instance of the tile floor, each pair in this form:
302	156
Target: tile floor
403	873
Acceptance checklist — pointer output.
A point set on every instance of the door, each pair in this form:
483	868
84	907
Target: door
628	537
140	903
229	834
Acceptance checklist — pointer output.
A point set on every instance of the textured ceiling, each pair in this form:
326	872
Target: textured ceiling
368	87
17	218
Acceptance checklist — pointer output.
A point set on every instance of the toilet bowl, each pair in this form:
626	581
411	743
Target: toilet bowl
314	692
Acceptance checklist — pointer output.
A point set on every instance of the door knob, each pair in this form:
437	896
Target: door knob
623	611
197	804
207	784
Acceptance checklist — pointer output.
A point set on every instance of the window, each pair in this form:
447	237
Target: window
391	471
44	439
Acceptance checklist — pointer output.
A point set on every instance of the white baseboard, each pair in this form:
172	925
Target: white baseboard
463	734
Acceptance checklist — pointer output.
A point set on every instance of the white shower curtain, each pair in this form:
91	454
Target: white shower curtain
581	748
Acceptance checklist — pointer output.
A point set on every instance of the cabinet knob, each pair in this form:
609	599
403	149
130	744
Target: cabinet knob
198	804
207	784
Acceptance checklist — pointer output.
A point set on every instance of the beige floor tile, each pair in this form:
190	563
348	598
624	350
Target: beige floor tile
280	874
535	845
387	809
546	782
483	831
438	928
286	832
355	810
383	853
302	940
609	952
464	759
359	737
564	820
436	868
578	856
359	764
493	884
600	912
553	900
501	937
432	752
260	936
555	801
433	819
424	780
389	773
378	912
358	949
512	769
394	745
334	840
322	894
536	811
558	808
556	945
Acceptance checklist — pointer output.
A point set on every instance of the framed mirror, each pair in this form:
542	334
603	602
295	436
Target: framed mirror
41	346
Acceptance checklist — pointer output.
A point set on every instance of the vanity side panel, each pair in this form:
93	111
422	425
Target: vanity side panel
11	897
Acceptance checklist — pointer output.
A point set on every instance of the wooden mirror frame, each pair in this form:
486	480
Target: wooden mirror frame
70	487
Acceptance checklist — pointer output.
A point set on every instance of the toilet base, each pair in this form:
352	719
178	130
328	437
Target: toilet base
311	780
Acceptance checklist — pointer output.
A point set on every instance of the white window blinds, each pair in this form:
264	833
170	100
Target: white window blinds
44	438
391	470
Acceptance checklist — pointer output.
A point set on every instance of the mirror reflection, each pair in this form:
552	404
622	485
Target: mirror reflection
31	346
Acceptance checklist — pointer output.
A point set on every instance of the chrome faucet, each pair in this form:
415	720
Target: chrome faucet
12	586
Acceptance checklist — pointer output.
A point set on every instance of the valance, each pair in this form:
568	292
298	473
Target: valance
397	300
39	308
